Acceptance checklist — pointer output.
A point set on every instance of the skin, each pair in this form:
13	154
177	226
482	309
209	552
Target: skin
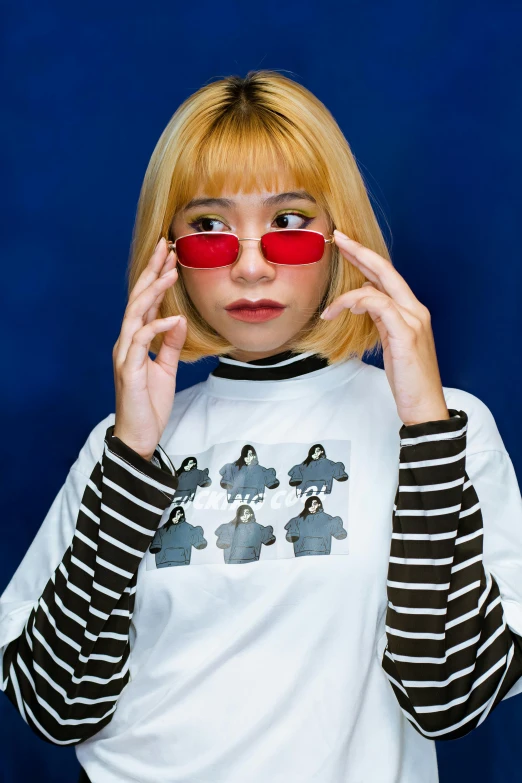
404	326
145	388
299	288
176	519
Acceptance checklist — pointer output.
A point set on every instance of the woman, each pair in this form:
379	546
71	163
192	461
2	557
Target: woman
241	539
330	669
172	543
190	477
311	531
246	478
316	473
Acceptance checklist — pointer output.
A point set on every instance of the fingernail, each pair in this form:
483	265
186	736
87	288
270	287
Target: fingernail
325	312
340	234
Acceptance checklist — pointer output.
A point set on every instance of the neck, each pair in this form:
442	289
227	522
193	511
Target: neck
279	366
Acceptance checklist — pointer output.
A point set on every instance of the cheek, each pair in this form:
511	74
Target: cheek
204	286
309	284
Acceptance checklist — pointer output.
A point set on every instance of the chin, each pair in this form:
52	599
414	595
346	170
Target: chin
257	343
259	346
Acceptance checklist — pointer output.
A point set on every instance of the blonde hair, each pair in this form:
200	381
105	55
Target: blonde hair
259	131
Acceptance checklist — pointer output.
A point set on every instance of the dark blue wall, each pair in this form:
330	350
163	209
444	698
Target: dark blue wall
428	95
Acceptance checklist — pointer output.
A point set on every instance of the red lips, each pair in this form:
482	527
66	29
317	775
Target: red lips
248	304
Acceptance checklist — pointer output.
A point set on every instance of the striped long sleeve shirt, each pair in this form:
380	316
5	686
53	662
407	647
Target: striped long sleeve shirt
450	656
66	670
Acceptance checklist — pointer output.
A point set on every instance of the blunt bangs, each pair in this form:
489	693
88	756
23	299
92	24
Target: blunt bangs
264	132
258	152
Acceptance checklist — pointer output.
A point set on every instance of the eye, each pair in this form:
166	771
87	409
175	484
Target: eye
206	223
292	220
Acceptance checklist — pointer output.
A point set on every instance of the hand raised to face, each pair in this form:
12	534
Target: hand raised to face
145	387
404	326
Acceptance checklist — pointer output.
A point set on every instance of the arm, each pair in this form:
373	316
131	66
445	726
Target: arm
338	471
267	535
296	475
69	664
336	528
224	536
450	655
157	541
269	478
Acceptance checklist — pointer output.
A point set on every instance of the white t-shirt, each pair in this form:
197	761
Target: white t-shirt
258	633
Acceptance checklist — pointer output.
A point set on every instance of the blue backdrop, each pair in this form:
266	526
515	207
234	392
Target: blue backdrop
428	95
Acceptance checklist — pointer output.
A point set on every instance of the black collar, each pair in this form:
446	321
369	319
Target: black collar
271	368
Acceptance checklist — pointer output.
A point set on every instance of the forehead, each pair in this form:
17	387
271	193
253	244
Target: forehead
262	198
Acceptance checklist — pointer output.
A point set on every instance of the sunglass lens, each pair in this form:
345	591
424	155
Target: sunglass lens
293	246
207	251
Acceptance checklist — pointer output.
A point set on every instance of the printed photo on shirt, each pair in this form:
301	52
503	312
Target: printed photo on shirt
240	503
245	479
242	538
311	531
172	543
316	473
190	477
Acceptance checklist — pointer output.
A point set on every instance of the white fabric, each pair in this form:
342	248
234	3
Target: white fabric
270	671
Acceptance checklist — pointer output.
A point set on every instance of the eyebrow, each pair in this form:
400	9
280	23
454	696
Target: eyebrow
271	201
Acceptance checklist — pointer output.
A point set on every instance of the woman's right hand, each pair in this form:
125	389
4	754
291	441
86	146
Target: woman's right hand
144	387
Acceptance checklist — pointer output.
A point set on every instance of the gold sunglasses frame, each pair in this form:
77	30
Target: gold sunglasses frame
172	246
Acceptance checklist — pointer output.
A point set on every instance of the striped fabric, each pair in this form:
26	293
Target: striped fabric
66	671
450	657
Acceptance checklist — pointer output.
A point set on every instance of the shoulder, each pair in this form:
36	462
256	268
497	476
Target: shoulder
92	449
483	433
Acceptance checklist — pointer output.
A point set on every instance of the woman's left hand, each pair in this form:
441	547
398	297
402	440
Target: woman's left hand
404	326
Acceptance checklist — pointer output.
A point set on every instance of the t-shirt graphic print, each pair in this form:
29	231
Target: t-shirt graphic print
240	502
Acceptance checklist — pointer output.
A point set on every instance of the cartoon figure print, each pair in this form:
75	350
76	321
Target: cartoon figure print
311	531
316	473
172	543
245	478
190	477
241	539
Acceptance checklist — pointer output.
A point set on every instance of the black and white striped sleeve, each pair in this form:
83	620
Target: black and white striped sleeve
66	669
450	656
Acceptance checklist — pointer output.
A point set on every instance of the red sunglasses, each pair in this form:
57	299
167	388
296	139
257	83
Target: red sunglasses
216	249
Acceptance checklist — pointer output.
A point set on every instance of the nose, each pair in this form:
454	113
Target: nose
251	266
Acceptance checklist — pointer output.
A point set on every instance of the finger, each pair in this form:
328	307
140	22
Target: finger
135	313
153	310
153	269
350	299
372	278
377	269
173	341
347	300
386	316
138	352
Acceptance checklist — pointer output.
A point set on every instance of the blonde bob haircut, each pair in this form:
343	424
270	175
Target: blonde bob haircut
262	131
